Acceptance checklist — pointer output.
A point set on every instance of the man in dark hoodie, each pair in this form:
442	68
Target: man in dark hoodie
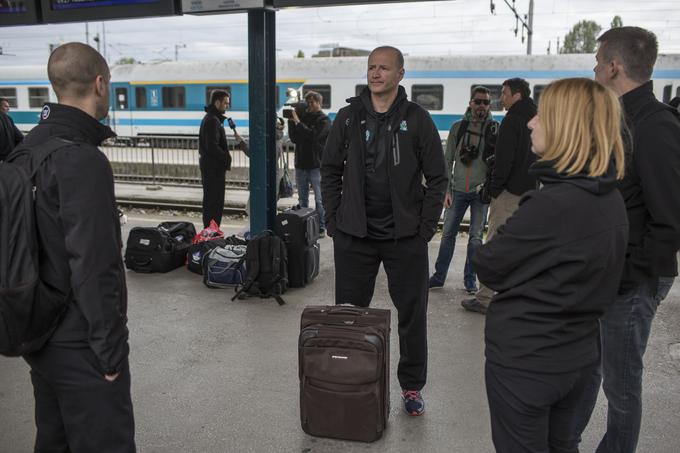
10	136
214	159
81	378
378	210
309	134
510	177
625	61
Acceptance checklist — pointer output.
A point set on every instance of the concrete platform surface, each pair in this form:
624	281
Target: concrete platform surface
211	375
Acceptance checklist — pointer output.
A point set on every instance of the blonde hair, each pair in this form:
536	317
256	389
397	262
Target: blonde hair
582	121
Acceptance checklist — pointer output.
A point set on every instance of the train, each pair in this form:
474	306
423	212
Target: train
167	98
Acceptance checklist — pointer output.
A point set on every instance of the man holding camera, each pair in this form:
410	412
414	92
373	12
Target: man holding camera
309	129
215	159
510	177
471	141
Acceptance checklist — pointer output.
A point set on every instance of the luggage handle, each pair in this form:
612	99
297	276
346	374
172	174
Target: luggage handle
343	311
145	262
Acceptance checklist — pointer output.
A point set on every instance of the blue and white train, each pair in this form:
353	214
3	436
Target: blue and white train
167	98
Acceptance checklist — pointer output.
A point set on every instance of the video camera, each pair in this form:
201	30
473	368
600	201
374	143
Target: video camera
299	107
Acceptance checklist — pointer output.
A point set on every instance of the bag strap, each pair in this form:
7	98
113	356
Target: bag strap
253	266
462	130
39	153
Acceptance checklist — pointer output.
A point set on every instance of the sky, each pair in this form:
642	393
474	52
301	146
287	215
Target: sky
458	27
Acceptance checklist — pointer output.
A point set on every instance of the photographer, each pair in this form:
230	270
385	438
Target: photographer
309	130
470	142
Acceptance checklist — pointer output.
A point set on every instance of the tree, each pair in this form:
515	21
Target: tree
582	38
617	22
300	54
127	60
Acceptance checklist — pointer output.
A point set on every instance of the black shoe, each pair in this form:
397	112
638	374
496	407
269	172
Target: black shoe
322	233
434	283
473	305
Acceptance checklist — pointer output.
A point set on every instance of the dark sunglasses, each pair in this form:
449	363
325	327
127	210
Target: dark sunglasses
481	101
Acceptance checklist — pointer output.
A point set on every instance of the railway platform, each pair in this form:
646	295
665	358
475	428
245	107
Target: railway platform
210	375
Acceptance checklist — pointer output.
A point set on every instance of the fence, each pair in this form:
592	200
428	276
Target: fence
171	160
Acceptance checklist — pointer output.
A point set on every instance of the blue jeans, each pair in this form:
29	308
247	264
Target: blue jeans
452	219
305	178
625	329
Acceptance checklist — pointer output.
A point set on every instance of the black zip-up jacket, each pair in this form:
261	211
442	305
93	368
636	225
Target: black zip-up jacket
79	235
556	265
513	151
415	151
651	189
212	140
10	136
309	136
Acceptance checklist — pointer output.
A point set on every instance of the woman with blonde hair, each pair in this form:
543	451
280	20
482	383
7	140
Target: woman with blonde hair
555	265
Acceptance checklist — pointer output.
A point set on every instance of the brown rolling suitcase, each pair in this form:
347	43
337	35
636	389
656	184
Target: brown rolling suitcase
344	372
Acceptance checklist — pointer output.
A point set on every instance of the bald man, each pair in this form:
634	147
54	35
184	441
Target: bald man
81	377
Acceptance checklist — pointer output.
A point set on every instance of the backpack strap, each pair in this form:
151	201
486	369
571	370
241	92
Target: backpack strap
275	253
462	129
253	266
39	153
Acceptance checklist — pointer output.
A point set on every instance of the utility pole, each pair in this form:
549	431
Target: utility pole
87	33
530	29
525	26
96	39
104	39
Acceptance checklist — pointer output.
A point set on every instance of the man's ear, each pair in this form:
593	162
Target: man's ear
614	68
100	85
402	71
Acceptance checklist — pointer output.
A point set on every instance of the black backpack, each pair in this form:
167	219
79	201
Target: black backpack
30	311
267	265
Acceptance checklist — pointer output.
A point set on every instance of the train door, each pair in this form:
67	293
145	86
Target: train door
121	113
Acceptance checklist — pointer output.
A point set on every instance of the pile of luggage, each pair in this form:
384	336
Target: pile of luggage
264	266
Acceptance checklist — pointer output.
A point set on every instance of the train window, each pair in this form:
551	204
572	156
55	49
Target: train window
121	98
209	91
538	89
174	97
37	97
323	90
430	97
359	88
11	95
667	93
677	92
140	97
496	91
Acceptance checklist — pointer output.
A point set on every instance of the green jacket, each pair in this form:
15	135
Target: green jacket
464	178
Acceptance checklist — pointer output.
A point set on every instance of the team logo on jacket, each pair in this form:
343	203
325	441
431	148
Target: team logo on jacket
45	112
368	135
403	126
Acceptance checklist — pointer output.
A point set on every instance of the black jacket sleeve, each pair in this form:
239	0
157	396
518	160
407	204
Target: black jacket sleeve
658	165
216	140
332	169
18	136
92	238
436	181
316	134
521	249
506	147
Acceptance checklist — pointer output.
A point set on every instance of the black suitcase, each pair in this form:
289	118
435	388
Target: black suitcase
299	229
159	249
344	373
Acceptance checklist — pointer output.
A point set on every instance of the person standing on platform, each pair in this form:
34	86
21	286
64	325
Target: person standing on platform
471	141
10	136
309	134
378	210
510	177
651	188
215	159
81	377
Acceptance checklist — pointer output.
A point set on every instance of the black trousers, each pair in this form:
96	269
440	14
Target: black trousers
76	409
212	179
538	412
405	261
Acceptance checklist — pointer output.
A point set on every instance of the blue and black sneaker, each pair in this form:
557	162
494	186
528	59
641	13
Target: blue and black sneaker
413	402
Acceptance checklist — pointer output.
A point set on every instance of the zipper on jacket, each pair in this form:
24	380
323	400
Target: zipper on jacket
396	152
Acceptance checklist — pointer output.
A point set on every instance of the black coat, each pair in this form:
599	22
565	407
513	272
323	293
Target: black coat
556	264
513	151
10	136
416	152
651	189
212	140
79	235
309	136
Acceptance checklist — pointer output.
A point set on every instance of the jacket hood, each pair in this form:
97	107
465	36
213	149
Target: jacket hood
524	107
364	100
599	185
211	109
73	118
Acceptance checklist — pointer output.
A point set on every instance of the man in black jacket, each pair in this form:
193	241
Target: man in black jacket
215	159
625	61
81	378
510	177
309	134
10	136
378	210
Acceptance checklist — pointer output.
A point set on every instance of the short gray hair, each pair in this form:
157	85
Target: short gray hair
636	48
314	95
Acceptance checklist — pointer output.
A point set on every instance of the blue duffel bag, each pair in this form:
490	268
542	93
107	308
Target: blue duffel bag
225	267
